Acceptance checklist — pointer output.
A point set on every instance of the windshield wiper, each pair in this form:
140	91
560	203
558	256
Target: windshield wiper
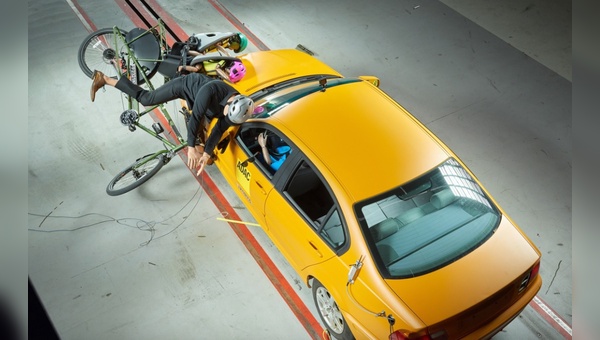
292	82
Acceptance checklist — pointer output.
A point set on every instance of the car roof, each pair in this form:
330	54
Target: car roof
367	141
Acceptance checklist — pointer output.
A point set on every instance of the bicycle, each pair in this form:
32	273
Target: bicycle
139	54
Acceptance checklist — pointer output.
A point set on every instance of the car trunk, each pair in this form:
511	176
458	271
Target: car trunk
470	292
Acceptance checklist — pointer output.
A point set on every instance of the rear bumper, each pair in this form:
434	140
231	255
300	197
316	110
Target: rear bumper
502	320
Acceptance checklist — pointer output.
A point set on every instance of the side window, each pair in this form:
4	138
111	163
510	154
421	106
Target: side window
332	230
275	150
312	198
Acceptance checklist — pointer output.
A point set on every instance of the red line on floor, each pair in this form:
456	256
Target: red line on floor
177	33
139	15
131	14
83	17
145	14
551	317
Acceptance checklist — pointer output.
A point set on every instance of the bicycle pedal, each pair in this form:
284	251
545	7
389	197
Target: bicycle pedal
157	128
129	117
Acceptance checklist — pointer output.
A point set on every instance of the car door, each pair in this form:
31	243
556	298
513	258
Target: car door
302	216
247	170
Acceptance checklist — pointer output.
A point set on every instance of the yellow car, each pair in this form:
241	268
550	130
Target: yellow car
395	235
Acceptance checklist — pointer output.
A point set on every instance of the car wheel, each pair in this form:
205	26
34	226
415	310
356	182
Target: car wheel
330	313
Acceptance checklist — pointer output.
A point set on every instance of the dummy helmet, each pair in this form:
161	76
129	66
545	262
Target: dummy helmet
237	71
240	109
243	43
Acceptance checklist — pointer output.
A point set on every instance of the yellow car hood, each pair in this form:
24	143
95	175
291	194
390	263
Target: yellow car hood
501	261
266	68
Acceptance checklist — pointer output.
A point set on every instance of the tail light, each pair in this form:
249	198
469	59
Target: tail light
535	270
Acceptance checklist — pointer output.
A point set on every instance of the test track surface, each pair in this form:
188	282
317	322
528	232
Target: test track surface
144	13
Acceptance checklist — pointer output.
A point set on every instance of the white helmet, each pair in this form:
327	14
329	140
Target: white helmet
240	109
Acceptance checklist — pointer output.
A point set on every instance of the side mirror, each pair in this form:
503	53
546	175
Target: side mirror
249	160
371	79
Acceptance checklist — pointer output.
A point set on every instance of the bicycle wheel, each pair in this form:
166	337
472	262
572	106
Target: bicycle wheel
136	174
98	51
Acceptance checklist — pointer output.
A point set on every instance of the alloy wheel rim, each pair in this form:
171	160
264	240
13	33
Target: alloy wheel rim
329	310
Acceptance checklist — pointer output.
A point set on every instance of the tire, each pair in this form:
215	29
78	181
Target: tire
330	313
98	52
136	174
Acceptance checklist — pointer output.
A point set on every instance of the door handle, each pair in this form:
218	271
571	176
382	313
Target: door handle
261	188
315	248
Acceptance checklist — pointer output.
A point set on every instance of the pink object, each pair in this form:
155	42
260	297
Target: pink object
237	71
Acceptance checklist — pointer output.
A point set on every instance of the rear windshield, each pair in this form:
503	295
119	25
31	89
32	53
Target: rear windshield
427	223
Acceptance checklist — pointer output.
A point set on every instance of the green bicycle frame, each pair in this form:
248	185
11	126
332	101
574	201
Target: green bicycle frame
178	142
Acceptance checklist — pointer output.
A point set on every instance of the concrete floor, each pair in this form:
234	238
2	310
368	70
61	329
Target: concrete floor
493	82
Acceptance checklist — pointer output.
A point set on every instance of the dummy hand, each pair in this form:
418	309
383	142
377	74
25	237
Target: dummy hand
193	158
203	160
262	140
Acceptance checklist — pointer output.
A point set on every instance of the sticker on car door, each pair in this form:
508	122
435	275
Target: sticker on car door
243	176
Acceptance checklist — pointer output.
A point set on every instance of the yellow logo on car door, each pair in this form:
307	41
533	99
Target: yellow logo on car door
243	176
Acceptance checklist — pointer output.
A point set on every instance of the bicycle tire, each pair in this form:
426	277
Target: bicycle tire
136	174
97	52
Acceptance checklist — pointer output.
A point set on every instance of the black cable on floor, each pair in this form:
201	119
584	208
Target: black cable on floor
126	221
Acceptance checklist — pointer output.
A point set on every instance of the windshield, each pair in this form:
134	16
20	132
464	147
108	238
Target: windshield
276	97
427	223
